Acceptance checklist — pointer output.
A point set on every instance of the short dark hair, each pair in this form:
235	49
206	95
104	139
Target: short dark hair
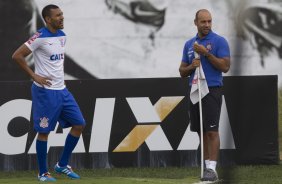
47	9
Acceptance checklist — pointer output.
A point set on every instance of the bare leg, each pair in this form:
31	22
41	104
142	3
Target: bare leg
76	130
213	144
206	147
42	137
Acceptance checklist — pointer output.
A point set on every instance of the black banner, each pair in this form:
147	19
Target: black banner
144	123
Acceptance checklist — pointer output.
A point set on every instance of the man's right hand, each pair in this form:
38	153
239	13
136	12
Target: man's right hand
195	63
44	81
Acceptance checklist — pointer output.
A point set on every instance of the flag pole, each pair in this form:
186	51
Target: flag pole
201	123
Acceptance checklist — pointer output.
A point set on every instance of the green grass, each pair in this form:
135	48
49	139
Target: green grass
239	175
112	176
257	174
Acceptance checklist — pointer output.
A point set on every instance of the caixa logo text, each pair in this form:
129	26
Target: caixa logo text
144	132
55	57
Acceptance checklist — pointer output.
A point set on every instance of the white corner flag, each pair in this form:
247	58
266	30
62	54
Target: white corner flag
199	90
198	77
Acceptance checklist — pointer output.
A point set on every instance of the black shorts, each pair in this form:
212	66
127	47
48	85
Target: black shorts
211	108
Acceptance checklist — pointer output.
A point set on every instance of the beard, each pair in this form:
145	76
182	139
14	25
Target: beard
205	32
57	25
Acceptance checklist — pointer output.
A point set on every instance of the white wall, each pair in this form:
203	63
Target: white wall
110	46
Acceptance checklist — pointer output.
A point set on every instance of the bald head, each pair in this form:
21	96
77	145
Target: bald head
203	21
200	12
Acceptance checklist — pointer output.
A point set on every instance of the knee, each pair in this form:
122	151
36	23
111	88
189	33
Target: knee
212	135
42	136
78	128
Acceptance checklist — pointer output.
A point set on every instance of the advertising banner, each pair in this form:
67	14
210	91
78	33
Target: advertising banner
144	123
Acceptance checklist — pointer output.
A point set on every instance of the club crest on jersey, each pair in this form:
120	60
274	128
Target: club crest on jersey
62	41
209	47
44	122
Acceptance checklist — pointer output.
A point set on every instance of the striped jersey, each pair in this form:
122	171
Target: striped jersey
49	52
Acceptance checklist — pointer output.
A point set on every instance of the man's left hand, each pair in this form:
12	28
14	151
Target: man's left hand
200	49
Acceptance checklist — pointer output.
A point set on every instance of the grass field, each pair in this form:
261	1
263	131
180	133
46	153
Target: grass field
238	175
114	176
241	175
